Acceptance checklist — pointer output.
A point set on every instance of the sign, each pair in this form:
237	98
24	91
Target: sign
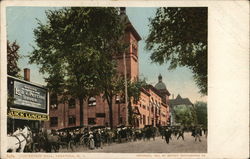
18	114
28	96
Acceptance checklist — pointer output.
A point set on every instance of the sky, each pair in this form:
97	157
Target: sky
21	21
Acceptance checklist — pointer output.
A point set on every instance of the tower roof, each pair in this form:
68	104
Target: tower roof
161	86
128	24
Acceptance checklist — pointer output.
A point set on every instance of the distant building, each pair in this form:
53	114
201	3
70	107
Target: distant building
151	109
178	102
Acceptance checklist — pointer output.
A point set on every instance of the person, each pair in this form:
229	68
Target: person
193	131
180	133
197	133
97	138
162	132
167	135
91	141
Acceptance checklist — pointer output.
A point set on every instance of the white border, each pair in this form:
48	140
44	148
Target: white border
228	76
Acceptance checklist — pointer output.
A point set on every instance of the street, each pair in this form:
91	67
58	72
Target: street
153	146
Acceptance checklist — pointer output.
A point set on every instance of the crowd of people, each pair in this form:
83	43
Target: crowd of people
95	138
178	132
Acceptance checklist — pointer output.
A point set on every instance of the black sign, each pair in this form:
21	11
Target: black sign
28	96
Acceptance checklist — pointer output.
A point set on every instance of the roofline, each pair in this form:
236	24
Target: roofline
154	90
135	33
145	92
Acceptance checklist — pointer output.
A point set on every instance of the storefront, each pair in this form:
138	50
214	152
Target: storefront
27	105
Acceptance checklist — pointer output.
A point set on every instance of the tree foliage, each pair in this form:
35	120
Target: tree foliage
75	48
184	115
12	66
134	93
179	36
201	113
12	59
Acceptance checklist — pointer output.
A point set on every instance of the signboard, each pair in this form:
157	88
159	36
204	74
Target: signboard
18	114
28	96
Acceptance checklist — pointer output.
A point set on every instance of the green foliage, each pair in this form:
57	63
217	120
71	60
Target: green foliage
179	36
134	89
12	59
12	66
184	115
201	112
75	47
134	92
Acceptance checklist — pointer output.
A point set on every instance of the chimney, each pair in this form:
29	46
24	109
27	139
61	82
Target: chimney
122	10
27	74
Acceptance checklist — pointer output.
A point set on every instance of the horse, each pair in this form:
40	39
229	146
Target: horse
53	142
19	139
39	142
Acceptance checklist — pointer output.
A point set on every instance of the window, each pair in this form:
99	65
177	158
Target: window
134	47
53	102
53	121
144	119
121	120
72	103
91	121
72	120
92	102
117	99
100	115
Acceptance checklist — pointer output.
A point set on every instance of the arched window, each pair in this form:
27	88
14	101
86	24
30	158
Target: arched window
72	103
92	101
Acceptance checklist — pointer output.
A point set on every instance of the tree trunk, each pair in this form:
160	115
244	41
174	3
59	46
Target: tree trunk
81	111
109	100
130	118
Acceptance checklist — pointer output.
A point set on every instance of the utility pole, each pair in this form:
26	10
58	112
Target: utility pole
126	88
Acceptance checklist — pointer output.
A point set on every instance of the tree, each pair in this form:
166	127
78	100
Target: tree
111	86
201	113
12	59
134	93
179	36
12	66
184	115
75	48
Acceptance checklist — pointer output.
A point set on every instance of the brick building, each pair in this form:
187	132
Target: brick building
152	108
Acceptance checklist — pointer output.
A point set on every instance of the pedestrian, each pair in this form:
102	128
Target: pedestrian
91	141
97	138
180	133
197	134
167	135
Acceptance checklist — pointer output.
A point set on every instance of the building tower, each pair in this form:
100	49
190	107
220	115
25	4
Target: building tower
161	87
131	38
